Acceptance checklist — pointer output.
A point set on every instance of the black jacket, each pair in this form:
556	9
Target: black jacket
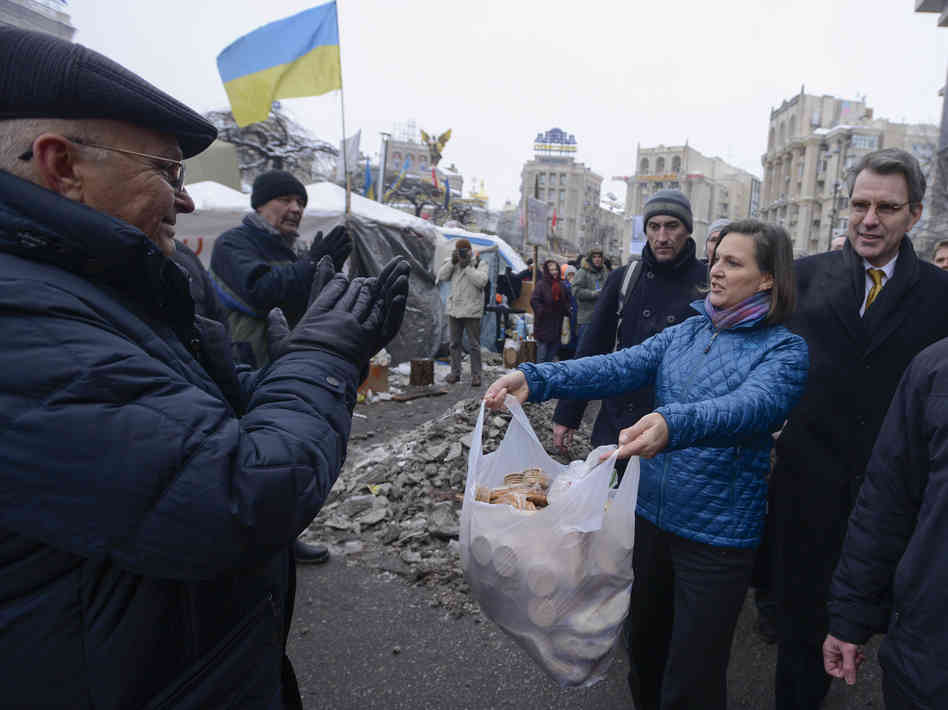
893	570
202	290
253	271
855	366
144	527
660	298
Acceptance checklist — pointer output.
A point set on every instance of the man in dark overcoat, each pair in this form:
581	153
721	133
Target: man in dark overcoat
149	489
658	293
865	313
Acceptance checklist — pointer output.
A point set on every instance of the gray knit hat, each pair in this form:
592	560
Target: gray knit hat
669	202
717	225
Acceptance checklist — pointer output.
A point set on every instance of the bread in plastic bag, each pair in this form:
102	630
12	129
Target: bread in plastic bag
556	579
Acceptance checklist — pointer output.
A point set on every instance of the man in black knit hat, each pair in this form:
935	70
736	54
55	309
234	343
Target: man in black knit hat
638	300
149	490
255	267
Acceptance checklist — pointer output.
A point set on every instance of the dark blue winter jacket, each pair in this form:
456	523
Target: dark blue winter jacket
254	271
722	393
660	298
144	527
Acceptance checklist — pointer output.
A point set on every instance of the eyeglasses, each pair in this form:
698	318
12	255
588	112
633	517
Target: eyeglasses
883	209
171	170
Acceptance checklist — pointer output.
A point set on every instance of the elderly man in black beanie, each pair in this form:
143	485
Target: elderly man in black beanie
256	268
149	491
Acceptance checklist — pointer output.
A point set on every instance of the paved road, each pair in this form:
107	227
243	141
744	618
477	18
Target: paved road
365	641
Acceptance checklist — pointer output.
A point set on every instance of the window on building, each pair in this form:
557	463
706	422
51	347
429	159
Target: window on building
644	167
543	178
552	178
660	166
676	164
865	142
397	156
562	178
562	197
770	139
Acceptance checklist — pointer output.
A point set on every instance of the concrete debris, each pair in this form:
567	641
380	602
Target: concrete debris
396	507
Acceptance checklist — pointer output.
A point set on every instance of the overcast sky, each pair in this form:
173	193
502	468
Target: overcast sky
615	74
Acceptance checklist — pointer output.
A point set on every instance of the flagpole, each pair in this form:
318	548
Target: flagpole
342	106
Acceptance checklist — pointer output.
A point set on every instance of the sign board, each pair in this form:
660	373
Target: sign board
538	213
667	177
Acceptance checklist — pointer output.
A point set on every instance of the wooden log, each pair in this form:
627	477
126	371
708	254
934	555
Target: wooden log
422	372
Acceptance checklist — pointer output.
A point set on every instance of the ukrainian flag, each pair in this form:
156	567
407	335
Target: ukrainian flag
298	56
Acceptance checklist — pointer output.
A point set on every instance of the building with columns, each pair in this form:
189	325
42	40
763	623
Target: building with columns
812	144
715	188
49	16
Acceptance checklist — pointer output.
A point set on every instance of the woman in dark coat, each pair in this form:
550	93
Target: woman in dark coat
550	303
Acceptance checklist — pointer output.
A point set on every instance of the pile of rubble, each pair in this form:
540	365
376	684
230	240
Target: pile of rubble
396	506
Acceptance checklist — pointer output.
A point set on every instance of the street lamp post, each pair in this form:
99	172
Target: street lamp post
832	224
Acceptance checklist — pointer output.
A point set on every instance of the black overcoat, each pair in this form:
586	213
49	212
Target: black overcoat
855	366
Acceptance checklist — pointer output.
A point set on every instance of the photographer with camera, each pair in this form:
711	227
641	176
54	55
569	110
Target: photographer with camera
468	276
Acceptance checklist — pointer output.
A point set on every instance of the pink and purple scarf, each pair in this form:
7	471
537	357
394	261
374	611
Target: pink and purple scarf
747	310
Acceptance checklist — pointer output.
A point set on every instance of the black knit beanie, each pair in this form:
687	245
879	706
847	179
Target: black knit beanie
275	183
668	202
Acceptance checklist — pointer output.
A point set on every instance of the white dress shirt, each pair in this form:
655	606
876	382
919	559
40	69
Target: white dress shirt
887	272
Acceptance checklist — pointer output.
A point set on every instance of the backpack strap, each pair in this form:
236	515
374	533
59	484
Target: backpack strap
629	282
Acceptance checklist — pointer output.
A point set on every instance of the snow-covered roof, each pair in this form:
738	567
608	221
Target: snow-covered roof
329	198
210	195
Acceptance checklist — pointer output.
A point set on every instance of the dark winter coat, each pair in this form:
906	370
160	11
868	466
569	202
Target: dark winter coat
203	293
660	298
254	271
855	366
144	527
587	287
722	393
893	571
547	313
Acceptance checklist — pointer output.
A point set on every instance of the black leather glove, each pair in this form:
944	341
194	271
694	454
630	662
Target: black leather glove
278	329
217	360
345	319
392	285
337	245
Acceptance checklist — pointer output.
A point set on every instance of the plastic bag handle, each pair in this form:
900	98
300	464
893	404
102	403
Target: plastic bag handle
521	416
474	455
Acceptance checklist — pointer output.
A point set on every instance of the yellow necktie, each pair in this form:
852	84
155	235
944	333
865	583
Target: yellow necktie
876	276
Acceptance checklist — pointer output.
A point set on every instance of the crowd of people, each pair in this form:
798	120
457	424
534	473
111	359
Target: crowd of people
756	390
168	431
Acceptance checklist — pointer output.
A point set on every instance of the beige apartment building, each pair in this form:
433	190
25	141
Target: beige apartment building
572	190
715	188
812	144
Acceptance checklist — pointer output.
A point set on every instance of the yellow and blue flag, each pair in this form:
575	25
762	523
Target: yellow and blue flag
297	56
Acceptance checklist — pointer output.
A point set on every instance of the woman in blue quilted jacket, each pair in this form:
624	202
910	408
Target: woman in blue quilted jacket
724	380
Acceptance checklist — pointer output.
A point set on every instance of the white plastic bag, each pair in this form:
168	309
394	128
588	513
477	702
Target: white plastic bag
557	579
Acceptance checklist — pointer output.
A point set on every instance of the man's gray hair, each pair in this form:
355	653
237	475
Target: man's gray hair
17	135
889	161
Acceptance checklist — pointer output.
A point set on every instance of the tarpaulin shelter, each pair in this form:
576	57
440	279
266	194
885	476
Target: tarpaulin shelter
378	233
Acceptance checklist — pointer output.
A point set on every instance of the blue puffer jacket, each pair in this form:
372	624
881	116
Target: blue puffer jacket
722	394
144	527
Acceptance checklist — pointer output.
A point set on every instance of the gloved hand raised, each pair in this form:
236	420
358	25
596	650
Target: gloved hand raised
378	308
393	289
337	245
